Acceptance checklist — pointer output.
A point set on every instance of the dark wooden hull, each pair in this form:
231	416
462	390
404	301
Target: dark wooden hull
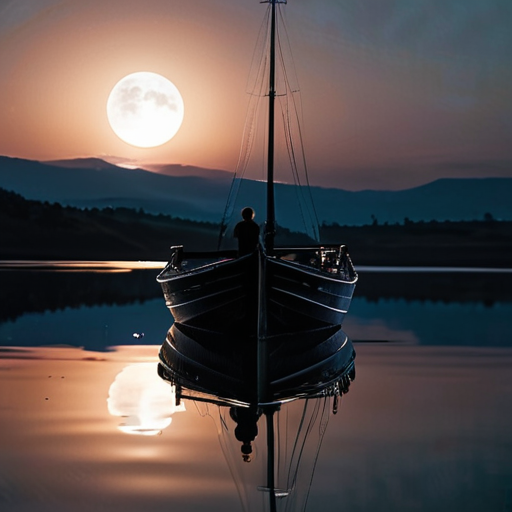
317	297
230	296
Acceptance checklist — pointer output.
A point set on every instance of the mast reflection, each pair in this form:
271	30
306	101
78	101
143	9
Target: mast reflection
271	445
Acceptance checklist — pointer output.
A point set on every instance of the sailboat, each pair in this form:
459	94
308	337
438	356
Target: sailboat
264	321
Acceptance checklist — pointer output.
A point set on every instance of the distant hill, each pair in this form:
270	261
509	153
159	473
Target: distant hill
34	230
202	195
189	170
94	183
96	164
31	229
41	230
444	199
177	170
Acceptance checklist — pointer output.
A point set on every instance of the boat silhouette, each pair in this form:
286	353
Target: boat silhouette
273	314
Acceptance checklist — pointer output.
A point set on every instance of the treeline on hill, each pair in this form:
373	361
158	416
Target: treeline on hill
36	230
485	243
41	230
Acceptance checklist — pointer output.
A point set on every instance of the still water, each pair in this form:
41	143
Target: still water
427	424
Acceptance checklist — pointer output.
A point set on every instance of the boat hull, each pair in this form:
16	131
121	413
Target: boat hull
218	294
231	296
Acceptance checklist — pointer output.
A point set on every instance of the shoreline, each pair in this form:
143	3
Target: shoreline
119	265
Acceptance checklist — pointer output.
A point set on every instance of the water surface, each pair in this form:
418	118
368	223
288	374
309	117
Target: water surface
426	425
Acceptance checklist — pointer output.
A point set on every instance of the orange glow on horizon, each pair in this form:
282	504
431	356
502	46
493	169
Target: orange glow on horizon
57	93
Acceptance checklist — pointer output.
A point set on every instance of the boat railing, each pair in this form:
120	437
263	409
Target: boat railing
183	262
179	257
332	259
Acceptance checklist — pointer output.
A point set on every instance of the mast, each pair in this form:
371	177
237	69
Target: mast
271	484
270	226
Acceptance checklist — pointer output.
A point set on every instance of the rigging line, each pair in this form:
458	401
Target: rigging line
319	408
304	163
285	109
291	478
324	420
299	123
309	212
227	450
250	129
286	116
286	120
282	449
292	60
301	189
296	111
309	424
250	125
259	53
248	135
290	138
293	165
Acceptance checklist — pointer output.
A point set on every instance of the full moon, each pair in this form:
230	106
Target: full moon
145	109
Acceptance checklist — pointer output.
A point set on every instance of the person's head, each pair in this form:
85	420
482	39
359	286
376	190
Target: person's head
248	213
246	451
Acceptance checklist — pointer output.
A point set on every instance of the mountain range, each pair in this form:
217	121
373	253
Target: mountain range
201	194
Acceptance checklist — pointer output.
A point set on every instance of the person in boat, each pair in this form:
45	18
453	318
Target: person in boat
247	232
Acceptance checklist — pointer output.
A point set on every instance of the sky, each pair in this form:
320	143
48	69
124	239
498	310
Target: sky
393	93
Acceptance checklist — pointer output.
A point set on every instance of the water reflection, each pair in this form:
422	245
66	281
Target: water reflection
144	402
427	425
272	452
39	290
433	284
271	423
100	310
430	323
422	428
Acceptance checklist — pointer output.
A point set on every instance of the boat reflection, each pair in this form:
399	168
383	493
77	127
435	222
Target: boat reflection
271	445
